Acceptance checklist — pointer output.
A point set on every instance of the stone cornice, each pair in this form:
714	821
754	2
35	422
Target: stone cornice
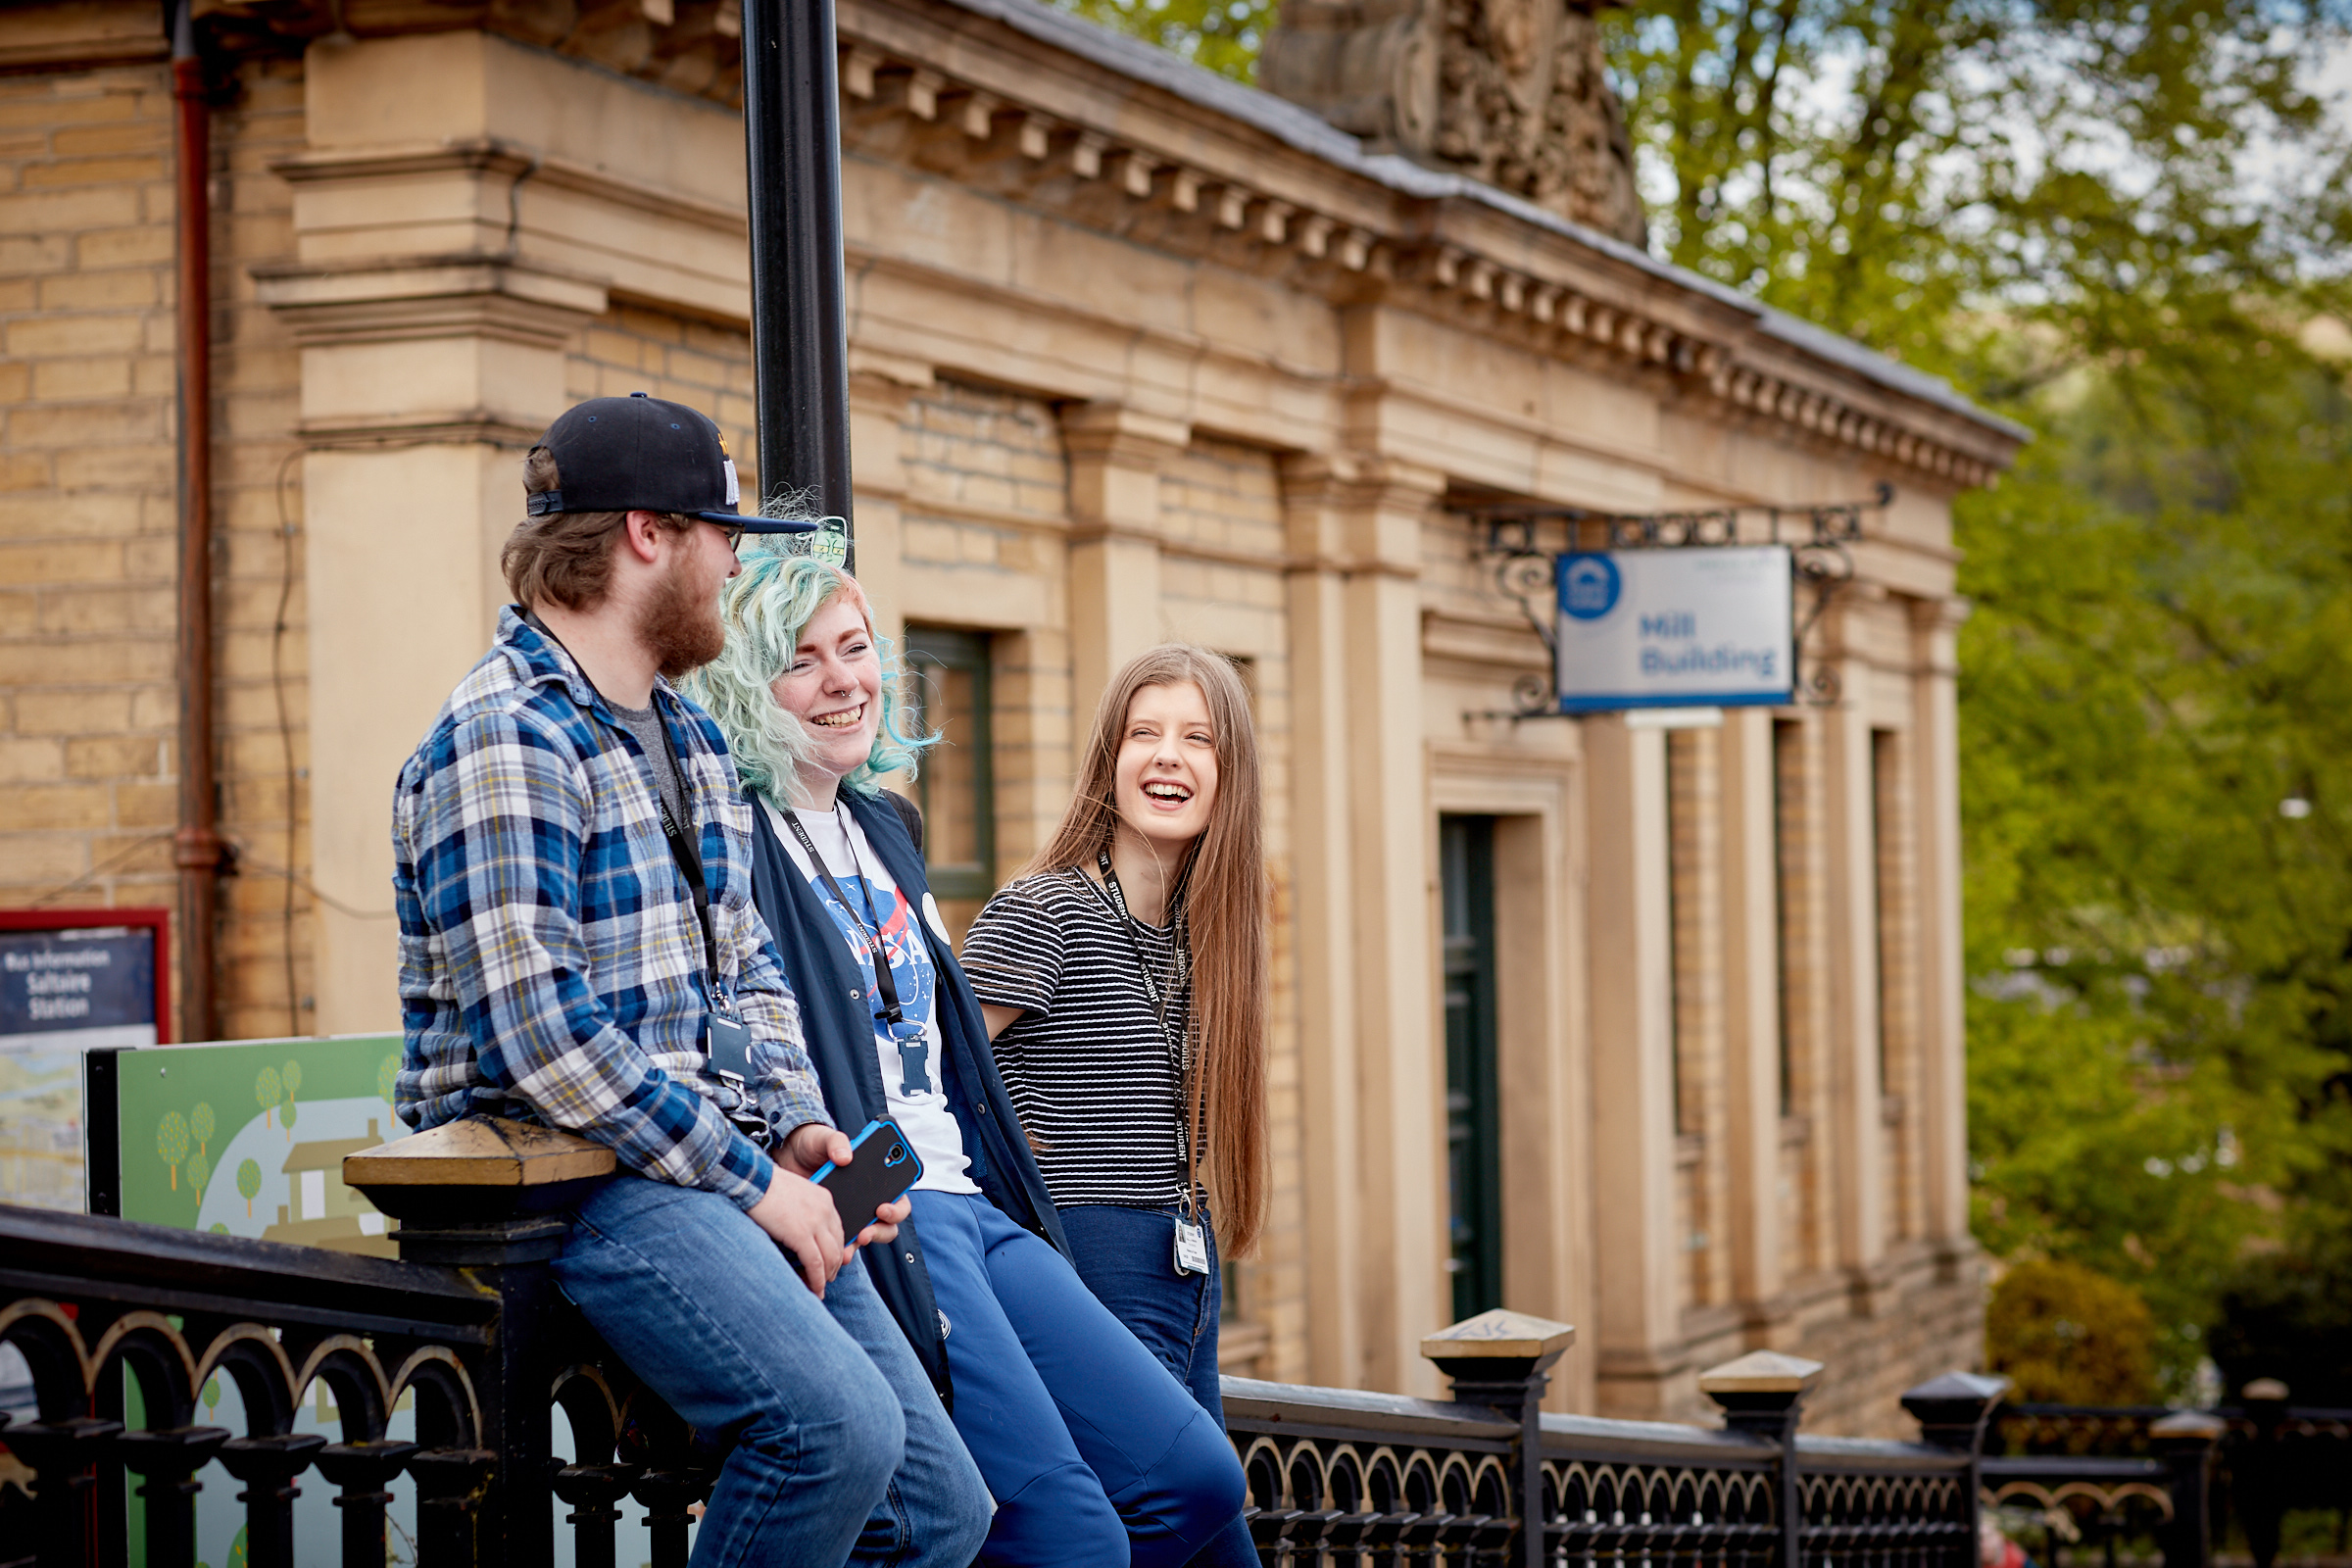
929	83
493	157
1011	97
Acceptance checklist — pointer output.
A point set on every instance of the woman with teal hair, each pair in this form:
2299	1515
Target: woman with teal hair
1094	1454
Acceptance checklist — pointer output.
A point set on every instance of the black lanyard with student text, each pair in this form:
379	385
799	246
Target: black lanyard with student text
913	1051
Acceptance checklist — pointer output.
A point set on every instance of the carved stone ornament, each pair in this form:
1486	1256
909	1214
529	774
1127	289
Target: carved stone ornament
1508	91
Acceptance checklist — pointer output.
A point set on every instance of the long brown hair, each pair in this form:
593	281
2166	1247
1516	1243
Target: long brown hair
1222	889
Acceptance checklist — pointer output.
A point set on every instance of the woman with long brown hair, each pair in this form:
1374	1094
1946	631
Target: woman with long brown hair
1123	978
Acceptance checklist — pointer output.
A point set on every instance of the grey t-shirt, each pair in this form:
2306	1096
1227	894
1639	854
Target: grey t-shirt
646	724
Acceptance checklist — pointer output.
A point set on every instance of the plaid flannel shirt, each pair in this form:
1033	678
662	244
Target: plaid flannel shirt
551	964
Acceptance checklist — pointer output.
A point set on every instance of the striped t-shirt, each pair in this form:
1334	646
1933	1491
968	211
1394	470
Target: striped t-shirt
1086	1063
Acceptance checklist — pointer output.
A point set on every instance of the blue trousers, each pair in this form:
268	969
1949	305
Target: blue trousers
1093	1454
1127	1258
841	1451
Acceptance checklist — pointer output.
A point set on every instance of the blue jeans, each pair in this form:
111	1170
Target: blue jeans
1094	1456
1127	1258
841	1451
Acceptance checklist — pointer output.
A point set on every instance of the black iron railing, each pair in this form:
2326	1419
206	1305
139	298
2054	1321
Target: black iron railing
1339	1477
485	1355
2108	1481
470	1330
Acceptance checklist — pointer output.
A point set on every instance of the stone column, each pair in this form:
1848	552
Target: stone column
1856	1145
1395	943
1115	454
460	210
1751	1004
1316	497
1629	922
1374	1087
1942	1073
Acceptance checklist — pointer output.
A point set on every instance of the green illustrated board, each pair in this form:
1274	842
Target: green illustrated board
245	1139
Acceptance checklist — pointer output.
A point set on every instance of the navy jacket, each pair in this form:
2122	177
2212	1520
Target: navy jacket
838	1019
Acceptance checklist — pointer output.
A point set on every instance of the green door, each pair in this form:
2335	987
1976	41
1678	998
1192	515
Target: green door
1473	1127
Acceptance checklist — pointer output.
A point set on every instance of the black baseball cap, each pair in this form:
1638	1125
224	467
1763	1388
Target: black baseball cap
644	454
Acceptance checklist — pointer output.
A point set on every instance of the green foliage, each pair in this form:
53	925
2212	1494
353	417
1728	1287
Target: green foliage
2056	204
1883	167
1223	36
268	1091
387	1073
201	1125
249	1183
200	1171
2068	1336
2115	221
291	1076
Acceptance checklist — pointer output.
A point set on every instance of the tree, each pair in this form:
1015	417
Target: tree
200	1171
2115	222
201	1126
2067	1336
172	1143
249	1183
2111	222
291	1076
268	1090
1224	35
285	1119
387	1077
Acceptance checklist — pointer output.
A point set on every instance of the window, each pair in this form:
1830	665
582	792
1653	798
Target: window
1473	1110
948	696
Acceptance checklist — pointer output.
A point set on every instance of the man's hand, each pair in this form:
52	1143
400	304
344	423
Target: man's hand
809	1146
800	1216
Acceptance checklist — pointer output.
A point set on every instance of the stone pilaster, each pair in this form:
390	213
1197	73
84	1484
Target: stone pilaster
1855	1142
1374	1091
1942	1072
1115	455
1751	1005
1632	965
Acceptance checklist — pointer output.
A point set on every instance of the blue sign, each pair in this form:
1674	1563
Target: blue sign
77	988
1588	586
1699	627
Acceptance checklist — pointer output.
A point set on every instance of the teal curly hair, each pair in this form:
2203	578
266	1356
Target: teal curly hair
765	608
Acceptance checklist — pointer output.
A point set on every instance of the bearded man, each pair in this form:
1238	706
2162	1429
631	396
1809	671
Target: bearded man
579	948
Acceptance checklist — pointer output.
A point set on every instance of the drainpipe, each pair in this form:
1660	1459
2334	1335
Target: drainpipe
197	847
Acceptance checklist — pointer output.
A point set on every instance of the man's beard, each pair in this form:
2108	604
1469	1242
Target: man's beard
680	628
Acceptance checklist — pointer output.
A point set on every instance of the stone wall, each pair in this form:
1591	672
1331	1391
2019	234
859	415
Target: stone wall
87	554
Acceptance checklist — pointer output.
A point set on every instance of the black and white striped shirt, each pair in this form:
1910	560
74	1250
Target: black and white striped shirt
1087	1065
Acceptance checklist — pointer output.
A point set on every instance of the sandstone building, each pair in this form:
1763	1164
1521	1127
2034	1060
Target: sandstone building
1136	353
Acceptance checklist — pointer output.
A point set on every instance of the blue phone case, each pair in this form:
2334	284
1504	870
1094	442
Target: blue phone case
867	1182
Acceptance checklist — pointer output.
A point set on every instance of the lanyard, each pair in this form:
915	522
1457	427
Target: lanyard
1190	1146
908	1034
681	847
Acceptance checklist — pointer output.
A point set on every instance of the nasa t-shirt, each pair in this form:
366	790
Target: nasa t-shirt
921	1114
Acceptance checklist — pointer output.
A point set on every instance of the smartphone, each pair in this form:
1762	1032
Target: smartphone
884	1168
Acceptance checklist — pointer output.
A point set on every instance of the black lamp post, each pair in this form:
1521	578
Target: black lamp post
799	317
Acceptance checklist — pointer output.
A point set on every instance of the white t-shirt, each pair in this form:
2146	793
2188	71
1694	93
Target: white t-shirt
922	1115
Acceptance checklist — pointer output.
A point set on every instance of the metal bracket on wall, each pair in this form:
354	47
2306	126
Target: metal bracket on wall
1520	544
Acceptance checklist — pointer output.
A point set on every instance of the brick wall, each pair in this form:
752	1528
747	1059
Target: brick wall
260	610
987	489
90	509
87	706
700	364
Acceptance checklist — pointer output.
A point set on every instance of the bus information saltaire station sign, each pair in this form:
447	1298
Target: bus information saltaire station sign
1675	628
